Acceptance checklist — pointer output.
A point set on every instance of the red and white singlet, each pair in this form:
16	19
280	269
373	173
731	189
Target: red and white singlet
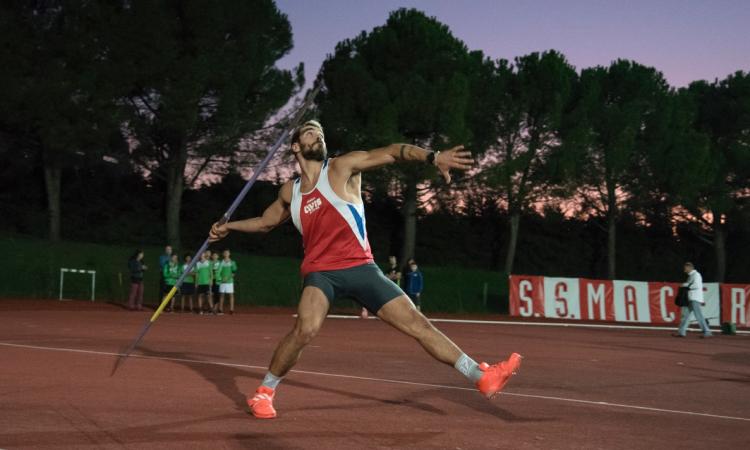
333	230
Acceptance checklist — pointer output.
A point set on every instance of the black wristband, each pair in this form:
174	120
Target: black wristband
431	158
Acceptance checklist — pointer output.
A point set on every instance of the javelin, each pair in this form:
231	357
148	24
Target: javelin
224	219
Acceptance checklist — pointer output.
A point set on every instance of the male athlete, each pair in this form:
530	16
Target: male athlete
325	204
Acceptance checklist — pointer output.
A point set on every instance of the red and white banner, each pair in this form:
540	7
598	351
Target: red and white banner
735	304
607	300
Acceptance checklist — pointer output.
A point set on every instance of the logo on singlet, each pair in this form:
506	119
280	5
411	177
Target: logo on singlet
312	205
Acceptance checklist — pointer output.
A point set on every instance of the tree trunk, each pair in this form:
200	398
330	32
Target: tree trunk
611	231
175	188
409	213
510	257
52	182
720	251
611	246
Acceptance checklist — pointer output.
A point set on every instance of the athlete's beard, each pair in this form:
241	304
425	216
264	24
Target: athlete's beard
315	152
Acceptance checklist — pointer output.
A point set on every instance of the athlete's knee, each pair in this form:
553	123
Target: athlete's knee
305	336
304	333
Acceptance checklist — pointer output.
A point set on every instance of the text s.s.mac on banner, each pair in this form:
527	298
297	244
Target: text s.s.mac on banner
620	300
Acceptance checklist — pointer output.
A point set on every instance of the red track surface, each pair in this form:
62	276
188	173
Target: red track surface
189	389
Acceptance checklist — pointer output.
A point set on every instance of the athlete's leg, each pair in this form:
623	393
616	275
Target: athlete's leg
311	312
402	315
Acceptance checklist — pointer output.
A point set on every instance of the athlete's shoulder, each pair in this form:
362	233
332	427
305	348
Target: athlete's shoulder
337	162
342	165
342	159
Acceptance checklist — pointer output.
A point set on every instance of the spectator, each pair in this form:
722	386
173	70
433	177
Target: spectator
215	281
136	268
227	269
166	257
171	273
393	273
163	261
694	285
203	270
414	284
188	284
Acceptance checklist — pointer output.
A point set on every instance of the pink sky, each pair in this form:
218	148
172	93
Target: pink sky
686	39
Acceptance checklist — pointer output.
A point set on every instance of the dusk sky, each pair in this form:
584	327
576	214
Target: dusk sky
685	39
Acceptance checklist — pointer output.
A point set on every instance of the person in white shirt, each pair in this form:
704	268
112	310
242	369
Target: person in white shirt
694	284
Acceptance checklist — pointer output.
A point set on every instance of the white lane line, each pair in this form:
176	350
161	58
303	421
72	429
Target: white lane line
540	324
382	380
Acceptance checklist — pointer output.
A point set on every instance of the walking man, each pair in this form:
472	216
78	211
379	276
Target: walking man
325	204
694	284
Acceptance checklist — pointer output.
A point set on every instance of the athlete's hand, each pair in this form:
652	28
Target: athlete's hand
218	232
454	158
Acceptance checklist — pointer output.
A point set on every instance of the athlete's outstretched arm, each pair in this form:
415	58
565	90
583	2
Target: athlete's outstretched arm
359	161
276	214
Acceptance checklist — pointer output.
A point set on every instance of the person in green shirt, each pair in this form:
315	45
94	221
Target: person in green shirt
215	281
227	269
203	271
170	273
188	284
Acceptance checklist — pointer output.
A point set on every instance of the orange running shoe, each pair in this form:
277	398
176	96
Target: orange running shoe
497	375
261	405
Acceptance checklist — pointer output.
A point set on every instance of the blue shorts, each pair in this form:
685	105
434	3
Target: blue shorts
366	284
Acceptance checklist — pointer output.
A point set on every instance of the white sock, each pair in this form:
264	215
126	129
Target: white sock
271	380
468	367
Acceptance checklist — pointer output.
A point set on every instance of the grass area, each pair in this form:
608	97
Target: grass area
32	270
